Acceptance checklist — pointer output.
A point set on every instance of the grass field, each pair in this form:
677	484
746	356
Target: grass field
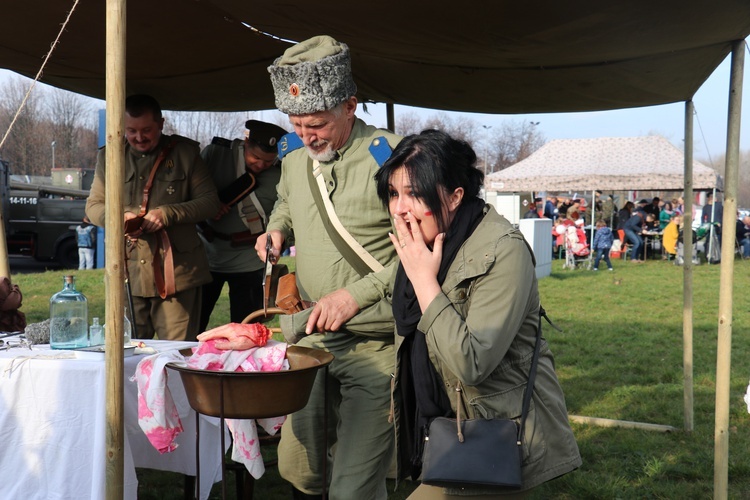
619	357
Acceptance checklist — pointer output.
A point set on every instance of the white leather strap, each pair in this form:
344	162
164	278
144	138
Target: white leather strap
368	259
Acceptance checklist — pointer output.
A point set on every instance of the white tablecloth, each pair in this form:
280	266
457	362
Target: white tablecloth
52	428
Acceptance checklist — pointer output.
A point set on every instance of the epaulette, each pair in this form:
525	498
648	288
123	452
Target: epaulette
181	138
380	150
220	141
288	143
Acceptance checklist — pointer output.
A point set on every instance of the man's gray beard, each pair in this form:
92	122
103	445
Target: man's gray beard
327	154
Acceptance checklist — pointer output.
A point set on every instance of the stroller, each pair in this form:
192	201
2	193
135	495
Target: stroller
577	251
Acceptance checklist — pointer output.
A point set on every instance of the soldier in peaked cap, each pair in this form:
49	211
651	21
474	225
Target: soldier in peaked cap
245	172
333	158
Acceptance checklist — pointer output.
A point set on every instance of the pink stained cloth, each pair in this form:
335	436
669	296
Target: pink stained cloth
157	414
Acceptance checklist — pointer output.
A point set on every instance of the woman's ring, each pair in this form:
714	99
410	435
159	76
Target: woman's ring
403	245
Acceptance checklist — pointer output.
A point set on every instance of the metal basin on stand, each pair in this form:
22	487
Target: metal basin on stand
254	394
251	395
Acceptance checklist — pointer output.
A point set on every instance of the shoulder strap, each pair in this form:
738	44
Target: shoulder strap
532	371
147	188
354	253
288	143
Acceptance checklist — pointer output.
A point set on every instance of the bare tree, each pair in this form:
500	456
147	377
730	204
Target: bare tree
74	129
27	140
408	124
203	126
513	142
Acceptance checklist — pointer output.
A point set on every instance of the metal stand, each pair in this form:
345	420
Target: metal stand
223	447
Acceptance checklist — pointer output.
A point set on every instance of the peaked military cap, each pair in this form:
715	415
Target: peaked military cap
264	134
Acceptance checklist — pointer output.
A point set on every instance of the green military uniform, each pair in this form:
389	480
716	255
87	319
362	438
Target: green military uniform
185	193
238	260
360	376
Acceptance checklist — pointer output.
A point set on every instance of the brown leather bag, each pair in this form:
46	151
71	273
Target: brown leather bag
287	294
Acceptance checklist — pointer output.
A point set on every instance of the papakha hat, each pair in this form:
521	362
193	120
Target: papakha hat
314	75
264	134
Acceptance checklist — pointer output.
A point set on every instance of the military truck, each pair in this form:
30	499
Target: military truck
40	220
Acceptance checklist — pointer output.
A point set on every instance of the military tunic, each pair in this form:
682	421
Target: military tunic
360	374
185	193
237	265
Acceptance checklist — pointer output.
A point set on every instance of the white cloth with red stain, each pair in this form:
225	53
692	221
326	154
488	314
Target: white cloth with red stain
157	414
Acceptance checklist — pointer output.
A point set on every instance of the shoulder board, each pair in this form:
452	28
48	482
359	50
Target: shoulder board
179	138
220	141
288	143
380	150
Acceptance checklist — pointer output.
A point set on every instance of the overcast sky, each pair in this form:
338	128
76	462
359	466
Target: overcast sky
710	125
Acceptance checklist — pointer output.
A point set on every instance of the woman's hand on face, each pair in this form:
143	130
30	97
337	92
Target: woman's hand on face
420	263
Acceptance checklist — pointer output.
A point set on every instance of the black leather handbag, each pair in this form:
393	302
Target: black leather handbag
478	452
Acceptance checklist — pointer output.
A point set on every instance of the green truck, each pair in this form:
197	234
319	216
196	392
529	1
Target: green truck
40	220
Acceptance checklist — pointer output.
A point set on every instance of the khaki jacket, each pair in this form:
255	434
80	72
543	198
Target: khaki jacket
183	189
481	330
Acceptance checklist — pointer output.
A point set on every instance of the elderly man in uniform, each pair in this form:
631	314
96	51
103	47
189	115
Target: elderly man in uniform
334	160
167	191
245	173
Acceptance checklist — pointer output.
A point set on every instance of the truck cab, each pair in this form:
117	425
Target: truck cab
40	221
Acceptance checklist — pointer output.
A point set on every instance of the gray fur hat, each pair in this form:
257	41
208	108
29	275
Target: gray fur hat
314	75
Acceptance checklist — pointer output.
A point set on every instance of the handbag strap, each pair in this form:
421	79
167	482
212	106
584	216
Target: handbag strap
354	253
532	372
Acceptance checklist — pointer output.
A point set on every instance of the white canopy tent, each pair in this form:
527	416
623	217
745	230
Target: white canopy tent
649	163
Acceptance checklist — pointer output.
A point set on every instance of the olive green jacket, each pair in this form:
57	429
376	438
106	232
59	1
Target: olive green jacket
481	331
320	268
185	193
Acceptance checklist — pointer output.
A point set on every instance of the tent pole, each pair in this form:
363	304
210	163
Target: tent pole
711	227
724	347
114	246
687	275
593	217
390	116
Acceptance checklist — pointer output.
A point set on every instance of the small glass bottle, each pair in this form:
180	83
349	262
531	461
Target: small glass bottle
69	318
96	333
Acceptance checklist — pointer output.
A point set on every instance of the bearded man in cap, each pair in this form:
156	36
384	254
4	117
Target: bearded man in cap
246	173
332	159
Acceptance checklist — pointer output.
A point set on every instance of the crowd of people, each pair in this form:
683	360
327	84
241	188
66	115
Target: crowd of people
655	223
391	243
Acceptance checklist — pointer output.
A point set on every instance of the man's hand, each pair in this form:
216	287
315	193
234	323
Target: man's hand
153	221
133	234
331	312
260	245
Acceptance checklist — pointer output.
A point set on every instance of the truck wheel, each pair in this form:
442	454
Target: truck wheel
67	254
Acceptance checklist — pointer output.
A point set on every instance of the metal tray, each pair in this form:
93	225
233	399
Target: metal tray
254	394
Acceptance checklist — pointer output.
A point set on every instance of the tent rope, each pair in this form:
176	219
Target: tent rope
39	74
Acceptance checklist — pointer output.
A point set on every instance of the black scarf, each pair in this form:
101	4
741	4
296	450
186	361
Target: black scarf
423	394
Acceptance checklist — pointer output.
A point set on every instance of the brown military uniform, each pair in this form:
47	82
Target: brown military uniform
185	193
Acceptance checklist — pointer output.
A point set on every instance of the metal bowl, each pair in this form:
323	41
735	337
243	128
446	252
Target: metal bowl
254	394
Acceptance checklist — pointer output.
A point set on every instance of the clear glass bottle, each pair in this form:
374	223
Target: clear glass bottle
127	330
96	333
69	317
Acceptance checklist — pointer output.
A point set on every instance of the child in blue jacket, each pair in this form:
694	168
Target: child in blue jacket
602	244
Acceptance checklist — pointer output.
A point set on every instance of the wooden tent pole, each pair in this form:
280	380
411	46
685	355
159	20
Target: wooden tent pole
114	246
687	275
4	264
724	342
